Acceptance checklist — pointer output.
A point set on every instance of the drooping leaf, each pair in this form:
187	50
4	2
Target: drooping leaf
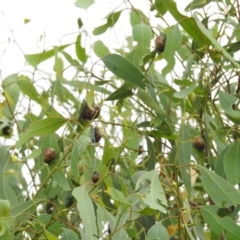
40	128
173	43
184	156
153	105
61	180
183	93
151	158
86	210
226	101
222	193
80	51
218	224
138	17
100	49
11	94
121	93
7	181
142	34
37	58
231	163
111	20
27	87
108	152
188	23
79	147
73	62
216	44
124	69
162	9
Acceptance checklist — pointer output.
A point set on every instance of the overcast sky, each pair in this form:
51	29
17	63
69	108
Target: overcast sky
53	23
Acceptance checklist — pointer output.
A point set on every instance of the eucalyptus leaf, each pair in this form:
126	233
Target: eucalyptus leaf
124	69
40	128
86	210
222	193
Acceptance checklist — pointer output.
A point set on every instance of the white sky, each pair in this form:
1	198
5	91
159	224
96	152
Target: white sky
56	20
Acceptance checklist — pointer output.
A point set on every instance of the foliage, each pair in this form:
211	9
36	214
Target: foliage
141	144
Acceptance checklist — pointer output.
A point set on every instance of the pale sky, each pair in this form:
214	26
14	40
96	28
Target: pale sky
54	23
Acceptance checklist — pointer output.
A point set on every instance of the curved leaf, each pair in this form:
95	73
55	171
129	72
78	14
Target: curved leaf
100	49
226	101
158	231
86	210
111	20
124	69
218	224
35	59
231	163
40	128
173	43
121	93
222	193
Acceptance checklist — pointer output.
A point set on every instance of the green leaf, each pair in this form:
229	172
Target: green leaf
222	193
183	93
100	49
84	3
217	224
219	169
108	152
73	62
173	43
27	87
58	89
69	234
121	93
138	17
19	209
7	181
197	4
226	101
184	156
188	23
80	51
158	231
58	64
160	7
154	196
231	163
111	20
142	34
151	103
25	20
35	59
79	147
124	69
86	210
61	180
151	158
49	236
117	195
216	44
11	94
40	128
